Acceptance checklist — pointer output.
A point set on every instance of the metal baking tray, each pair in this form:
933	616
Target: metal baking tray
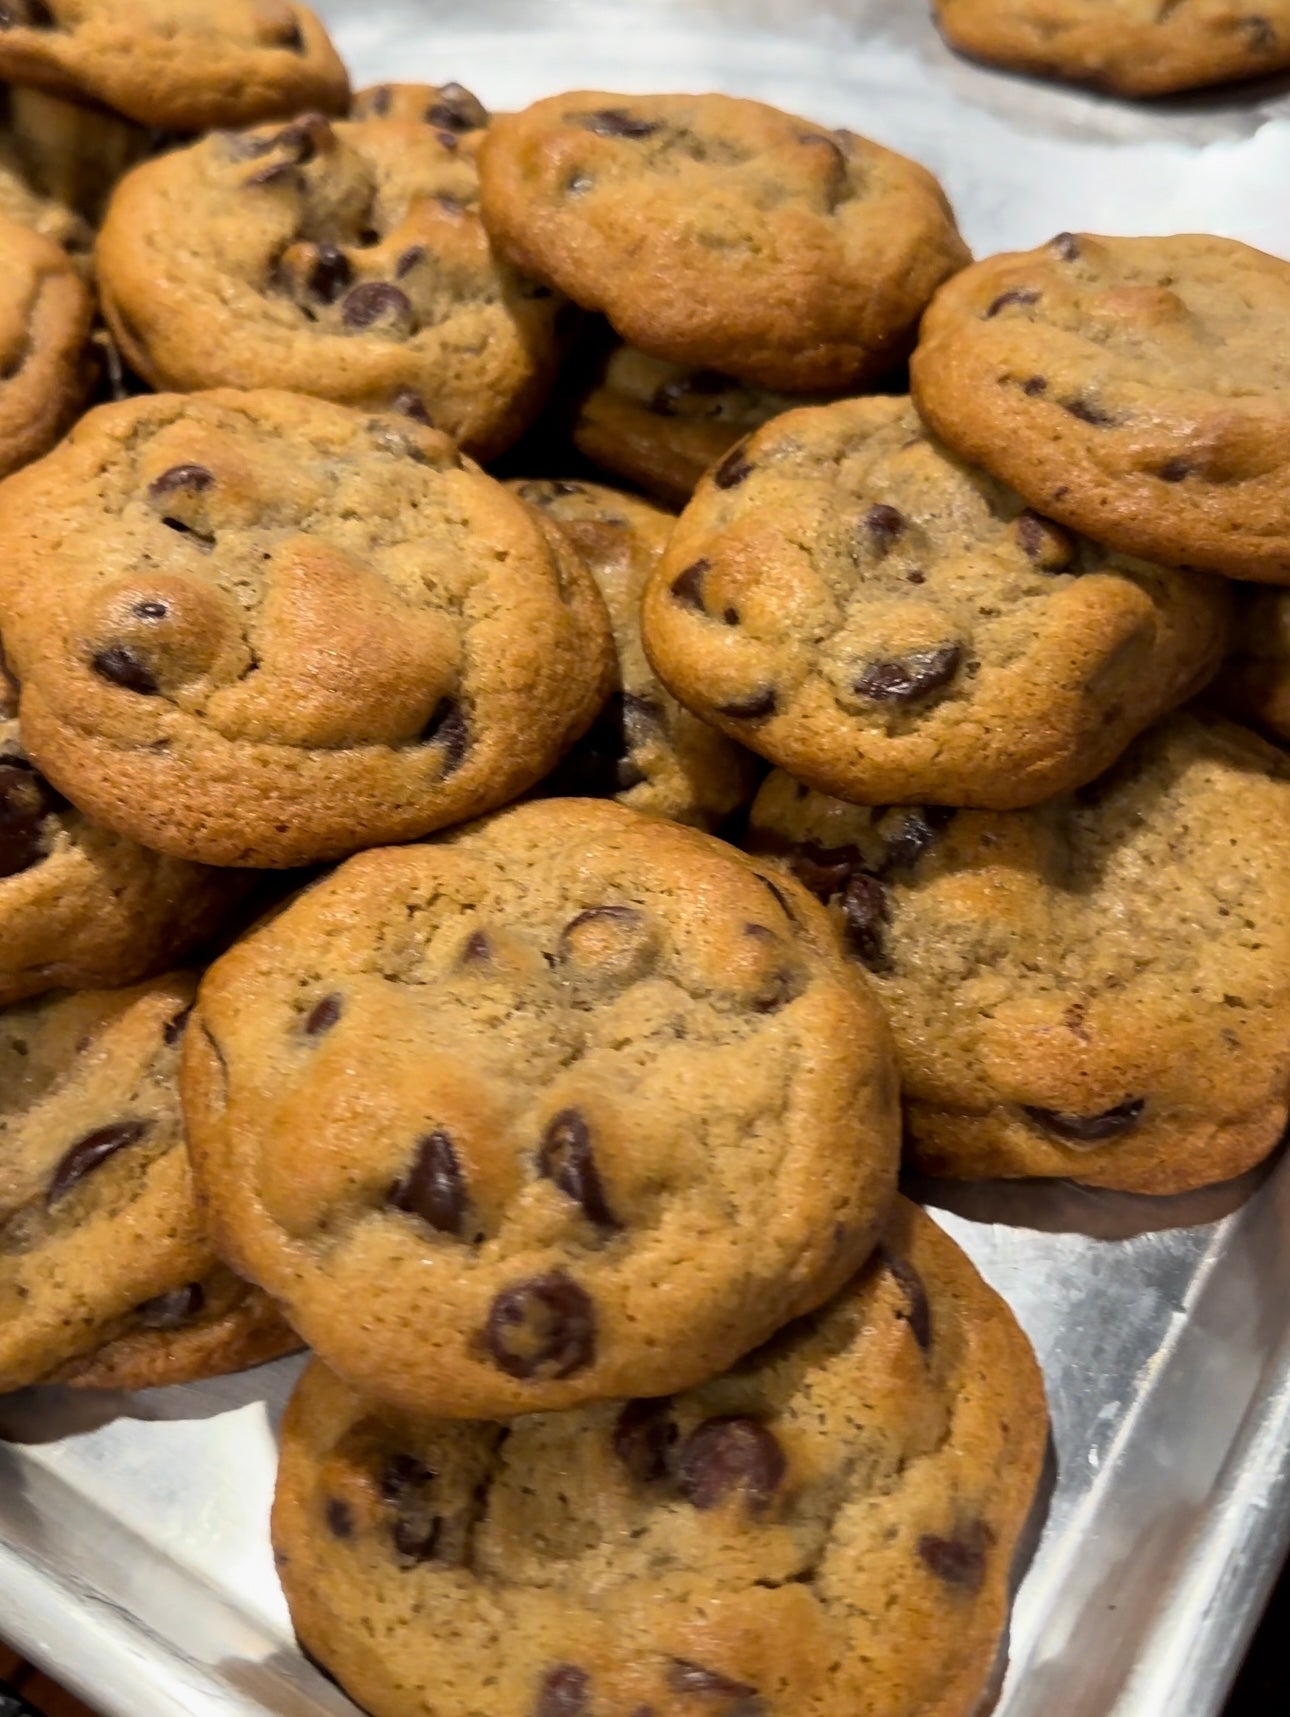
134	1558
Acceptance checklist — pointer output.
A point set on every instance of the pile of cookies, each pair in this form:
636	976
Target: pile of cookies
862	808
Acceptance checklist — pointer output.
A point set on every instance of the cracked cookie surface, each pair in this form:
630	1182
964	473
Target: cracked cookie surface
888	623
346	261
644	748
1130	47
722	233
106	1276
828	1529
1137	389
1096	988
257	629
603	1109
45	368
184	65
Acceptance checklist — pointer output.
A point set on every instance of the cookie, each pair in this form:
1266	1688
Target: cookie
888	623
1254	684
344	261
722	234
173	64
662	425
1137	389
445	106
604	1109
1096	988
82	908
106	1275
827	1530
644	749
257	629
1124	46
45	369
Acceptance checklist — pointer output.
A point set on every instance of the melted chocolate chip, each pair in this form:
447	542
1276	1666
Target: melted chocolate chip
170	1311
687	586
645	1434
323	1015
544	1327
1089	1129
1087	412
564	1692
958	1561
1175	470
911	677
1067	247
447	727
330	274
733	469
668	395
825	871
340	1520
26	799
885	526
454	108
375	301
723	1456
434	1188
121	666
193	478
88	1153
617	122
1018	295
752	708
174	1027
568	1161
684	1676
919	1313
865	912
918	829
412	405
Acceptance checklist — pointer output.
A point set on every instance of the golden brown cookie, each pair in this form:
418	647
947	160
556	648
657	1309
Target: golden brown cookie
1097	987
260	630
1130	47
1136	389
644	748
345	261
1254	683
444	106
720	233
184	65
570	1104
828	1530
45	367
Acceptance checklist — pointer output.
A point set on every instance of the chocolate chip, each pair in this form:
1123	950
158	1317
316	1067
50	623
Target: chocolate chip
173	1029
617	122
330	274
412	257
291	38
412	405
456	109
685	1676
1018	295
567	1159
375	103
687	586
434	1188
825	871
645	1435
193	478
447	727
340	1520
1035	385
150	609
477	948
1174	470
402	1474
1087	412
752	708
26	799
323	1015
909	678
1045	544
564	1692
375	301
170	1311
1067	247
417	1532
417	1540
668	395
1089	1129
919	1313
918	829
87	1154
120	666
958	1561
865	912
725	1455
544	1327
885	526
732	469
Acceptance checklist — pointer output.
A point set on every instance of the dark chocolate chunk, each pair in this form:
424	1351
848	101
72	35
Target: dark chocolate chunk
375	301
26	799
1034	385
170	1311
918	829
754	707
1087	412
323	1014
825	870
911	677
733	469
454	108
645	1435
121	666
617	122
544	1327
1175	470
564	1692
403	1474
88	1153
687	586
1018	295
434	1187
864	913
330	274
568	1161
1089	1129
960	1560
919	1313
727	1455
476	948
447	727
193	478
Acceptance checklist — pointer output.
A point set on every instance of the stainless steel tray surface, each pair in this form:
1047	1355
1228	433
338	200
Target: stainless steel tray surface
134	1556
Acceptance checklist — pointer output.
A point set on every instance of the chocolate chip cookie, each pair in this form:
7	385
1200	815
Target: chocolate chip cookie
345	261
82	908
45	369
1254	684
662	425
260	630
722	234
604	1107
106	1276
1126	46
445	106
827	1530
1137	389
888	623
1098	987
173	63
644	749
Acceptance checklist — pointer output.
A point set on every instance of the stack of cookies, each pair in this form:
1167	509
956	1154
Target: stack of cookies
568	1139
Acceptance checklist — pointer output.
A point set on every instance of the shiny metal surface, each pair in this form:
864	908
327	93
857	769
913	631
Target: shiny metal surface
133	1545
